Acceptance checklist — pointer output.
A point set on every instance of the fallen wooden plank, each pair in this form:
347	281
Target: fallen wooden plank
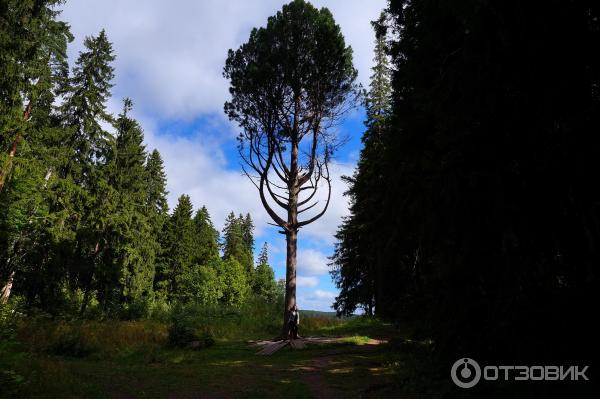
272	348
297	344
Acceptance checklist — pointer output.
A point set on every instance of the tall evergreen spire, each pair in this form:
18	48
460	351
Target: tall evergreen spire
378	102
134	242
84	108
156	184
206	238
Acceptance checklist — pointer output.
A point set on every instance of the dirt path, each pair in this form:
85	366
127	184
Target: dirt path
314	371
314	377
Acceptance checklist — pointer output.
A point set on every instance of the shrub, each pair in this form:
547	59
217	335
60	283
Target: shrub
10	381
70	342
181	335
138	309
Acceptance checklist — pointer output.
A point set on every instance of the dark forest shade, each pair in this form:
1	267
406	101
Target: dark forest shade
487	228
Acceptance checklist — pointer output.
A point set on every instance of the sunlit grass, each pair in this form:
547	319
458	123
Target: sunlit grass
356	340
123	358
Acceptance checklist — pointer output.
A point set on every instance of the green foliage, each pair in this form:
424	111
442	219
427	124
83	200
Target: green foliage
32	60
133	242
238	241
10	380
234	281
178	246
202	284
186	331
207	237
264	284
84	223
300	50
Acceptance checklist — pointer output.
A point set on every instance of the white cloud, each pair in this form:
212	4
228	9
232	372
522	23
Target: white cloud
312	262
320	294
309	282
170	55
196	166
316	300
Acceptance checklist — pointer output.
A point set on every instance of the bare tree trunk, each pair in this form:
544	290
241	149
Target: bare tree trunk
291	239
88	285
5	293
7	167
291	236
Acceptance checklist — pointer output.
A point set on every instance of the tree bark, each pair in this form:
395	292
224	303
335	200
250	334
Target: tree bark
291	236
291	239
88	285
7	167
5	293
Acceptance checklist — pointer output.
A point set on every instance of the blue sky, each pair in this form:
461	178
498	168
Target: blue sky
170	57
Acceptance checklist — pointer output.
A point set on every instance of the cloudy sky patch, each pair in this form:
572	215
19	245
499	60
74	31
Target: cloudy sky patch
170	57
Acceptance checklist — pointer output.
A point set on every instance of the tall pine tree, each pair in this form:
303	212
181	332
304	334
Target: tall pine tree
33	64
94	200
134	243
179	246
236	237
355	269
264	284
206	238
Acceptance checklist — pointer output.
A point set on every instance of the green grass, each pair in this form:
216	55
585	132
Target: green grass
228	369
82	359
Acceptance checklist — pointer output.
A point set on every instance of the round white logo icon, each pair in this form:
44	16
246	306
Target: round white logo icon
465	373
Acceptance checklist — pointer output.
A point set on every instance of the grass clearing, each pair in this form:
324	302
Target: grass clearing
108	359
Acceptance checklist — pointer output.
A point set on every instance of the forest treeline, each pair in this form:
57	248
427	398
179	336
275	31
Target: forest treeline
85	228
474	206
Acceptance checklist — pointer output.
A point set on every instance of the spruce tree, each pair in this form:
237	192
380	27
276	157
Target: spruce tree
234	244
247	226
32	60
89	167
134	243
33	64
206	238
354	261
156	186
157	211
180	245
84	108
264	284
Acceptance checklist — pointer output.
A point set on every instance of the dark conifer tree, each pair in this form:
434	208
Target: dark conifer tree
206	238
156	187
157	210
179	245
264	284
134	245
235	242
33	60
89	165
490	232
33	64
355	270
247	226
